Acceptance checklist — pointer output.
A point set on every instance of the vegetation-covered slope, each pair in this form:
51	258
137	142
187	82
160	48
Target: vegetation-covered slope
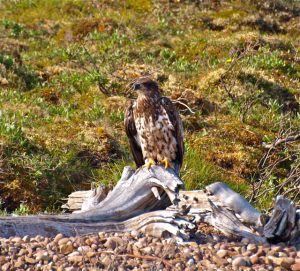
234	63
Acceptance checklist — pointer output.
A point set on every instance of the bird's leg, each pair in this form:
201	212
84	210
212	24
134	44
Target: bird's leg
149	162
166	163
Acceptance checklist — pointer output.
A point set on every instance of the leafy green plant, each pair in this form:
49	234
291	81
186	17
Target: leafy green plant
28	77
23	209
271	59
6	60
116	116
15	28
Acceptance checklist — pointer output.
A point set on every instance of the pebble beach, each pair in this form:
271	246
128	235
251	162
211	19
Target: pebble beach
135	251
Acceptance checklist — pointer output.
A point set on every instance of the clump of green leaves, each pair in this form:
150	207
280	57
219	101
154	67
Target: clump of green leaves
272	60
23	209
6	60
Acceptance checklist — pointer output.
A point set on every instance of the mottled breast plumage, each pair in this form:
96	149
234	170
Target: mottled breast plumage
154	127
155	133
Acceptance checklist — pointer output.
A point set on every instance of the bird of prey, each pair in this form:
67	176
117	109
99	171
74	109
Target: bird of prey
154	127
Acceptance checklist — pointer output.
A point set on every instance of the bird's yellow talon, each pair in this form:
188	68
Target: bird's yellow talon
165	162
149	163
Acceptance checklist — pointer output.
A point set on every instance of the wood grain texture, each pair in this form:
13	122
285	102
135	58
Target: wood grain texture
150	201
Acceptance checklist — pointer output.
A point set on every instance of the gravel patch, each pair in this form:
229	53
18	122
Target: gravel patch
134	251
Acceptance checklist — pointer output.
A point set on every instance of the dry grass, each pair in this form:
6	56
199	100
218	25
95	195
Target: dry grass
235	64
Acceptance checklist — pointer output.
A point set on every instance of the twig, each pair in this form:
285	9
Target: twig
100	86
92	61
228	91
185	105
283	140
234	62
267	165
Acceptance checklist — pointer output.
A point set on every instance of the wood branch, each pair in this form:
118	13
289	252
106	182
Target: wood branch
84	200
202	205
283	221
280	141
178	101
237	203
230	225
131	197
198	201
219	206
224	209
158	223
142	200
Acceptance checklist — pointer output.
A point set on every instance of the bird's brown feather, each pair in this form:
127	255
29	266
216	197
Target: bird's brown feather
175	119
131	133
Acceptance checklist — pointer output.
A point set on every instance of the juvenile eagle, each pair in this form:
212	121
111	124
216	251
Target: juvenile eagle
154	127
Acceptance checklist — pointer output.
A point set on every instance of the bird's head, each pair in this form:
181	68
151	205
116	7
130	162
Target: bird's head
146	86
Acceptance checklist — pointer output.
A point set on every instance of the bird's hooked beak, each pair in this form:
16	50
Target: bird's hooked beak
136	86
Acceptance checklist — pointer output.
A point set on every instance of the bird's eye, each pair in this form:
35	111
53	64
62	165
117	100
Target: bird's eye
136	86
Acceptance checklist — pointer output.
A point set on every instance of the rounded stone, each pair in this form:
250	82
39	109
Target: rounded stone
113	242
245	241
251	247
134	234
26	238
147	250
240	261
222	253
295	267
254	259
63	241
190	262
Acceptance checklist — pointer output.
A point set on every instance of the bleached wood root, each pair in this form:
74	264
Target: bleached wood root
284	223
85	200
235	202
128	206
226	221
133	195
157	223
142	200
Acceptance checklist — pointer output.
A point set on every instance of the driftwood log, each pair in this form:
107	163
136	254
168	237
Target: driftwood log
150	200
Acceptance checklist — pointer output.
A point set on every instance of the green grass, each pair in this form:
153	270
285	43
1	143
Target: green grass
197	172
269	59
59	133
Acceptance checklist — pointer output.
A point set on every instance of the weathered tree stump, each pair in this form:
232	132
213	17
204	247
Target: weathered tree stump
149	200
